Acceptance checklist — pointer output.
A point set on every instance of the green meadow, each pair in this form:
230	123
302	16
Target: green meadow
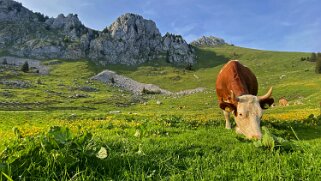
64	126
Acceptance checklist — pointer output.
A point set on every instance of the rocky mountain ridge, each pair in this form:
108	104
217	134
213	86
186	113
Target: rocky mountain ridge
209	41
130	40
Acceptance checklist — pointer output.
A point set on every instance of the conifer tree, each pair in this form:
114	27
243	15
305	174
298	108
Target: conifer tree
25	67
318	65
313	57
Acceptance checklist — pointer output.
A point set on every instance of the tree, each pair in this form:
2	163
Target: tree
41	17
112	80
313	57
318	65
168	57
39	81
25	67
189	67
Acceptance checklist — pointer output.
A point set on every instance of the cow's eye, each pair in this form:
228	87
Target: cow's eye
240	114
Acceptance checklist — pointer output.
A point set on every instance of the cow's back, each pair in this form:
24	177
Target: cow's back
236	77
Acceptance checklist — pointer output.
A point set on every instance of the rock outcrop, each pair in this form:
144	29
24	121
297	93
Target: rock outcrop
125	83
177	50
112	78
13	11
209	41
130	40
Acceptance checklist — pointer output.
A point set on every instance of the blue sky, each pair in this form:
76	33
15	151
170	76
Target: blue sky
284	25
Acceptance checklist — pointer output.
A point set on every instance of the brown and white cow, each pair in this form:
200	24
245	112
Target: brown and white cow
236	89
283	101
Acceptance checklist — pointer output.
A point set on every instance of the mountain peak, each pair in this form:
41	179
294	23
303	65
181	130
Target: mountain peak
130	24
210	41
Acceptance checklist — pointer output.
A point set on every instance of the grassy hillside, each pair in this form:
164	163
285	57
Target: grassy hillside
183	138
65	88
284	71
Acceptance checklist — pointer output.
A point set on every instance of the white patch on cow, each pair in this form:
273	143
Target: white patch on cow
248	116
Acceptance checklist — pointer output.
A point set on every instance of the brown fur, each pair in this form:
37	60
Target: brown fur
283	102
241	80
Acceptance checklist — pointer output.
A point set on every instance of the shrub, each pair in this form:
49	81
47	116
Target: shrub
39	81
41	17
313	57
112	80
106	30
318	63
318	66
25	67
66	39
189	67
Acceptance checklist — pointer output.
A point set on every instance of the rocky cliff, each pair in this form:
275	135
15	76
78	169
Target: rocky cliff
210	41
130	40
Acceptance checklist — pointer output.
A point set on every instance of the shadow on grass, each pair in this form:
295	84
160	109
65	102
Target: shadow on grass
205	59
208	59
161	62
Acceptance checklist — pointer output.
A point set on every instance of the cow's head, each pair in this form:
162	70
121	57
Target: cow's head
248	112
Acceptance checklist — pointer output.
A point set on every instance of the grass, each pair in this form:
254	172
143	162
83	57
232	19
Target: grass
181	139
171	148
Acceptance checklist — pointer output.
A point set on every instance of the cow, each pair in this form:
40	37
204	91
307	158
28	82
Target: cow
283	101
236	89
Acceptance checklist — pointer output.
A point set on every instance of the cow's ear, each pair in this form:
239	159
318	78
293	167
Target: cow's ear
228	107
265	103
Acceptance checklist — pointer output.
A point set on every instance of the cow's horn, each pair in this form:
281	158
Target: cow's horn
233	97
267	95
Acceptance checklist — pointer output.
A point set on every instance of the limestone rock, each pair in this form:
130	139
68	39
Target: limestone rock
178	51
210	41
70	25
128	84
130	40
14	11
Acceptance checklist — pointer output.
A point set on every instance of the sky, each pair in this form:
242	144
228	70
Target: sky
282	25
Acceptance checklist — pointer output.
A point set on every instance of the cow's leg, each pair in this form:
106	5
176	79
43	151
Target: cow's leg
227	119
